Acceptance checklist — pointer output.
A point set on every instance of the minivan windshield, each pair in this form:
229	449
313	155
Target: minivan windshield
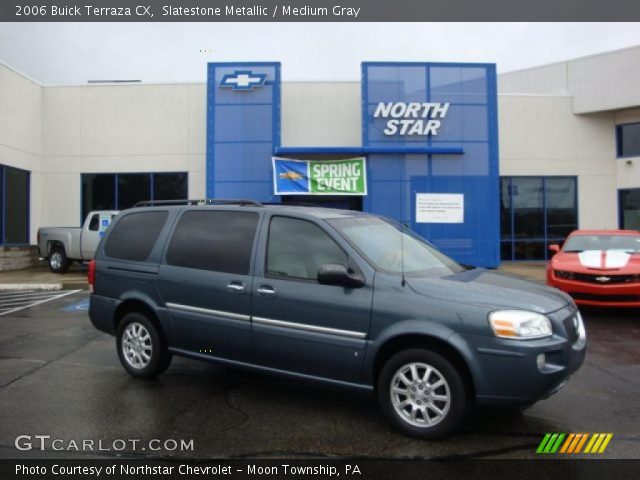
580	243
382	242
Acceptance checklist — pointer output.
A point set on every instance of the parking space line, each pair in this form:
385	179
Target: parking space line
38	302
16	295
23	302
9	294
28	296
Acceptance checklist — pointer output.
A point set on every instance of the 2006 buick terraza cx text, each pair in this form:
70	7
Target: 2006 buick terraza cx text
331	295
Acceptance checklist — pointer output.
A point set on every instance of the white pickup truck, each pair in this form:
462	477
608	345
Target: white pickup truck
63	245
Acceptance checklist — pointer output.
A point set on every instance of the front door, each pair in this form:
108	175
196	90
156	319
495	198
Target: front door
205	282
298	324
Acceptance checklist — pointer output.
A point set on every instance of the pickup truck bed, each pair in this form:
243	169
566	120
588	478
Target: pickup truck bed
63	245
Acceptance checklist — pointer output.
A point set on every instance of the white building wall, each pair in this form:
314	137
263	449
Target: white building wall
321	114
628	169
606	81
21	133
129	128
545	80
540	135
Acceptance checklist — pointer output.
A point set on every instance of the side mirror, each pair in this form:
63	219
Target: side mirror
335	274
554	248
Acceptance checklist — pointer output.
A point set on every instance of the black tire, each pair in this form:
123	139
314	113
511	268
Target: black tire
153	345
454	388
58	261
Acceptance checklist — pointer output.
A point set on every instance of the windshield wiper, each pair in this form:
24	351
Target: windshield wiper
573	251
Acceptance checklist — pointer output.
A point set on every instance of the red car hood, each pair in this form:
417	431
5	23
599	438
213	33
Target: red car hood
598	261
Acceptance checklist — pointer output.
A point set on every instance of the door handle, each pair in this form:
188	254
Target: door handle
235	287
267	291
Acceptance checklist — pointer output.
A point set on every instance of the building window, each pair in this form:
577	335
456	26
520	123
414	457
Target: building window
536	212
630	209
117	191
628	138
14	206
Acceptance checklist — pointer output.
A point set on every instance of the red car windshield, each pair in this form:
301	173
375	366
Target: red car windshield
580	243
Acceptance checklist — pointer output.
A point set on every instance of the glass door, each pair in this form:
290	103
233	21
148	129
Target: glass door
630	209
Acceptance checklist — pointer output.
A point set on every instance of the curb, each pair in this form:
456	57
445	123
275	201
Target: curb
18	287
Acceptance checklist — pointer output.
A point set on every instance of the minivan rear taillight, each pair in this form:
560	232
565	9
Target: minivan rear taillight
91	275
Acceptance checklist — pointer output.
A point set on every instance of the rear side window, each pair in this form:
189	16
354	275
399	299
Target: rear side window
94	224
134	236
214	240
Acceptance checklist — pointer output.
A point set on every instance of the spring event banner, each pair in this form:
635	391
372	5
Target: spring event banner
319	177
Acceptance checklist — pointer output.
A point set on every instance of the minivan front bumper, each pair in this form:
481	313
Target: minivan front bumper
521	372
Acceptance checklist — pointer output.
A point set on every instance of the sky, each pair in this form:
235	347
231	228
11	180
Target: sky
73	53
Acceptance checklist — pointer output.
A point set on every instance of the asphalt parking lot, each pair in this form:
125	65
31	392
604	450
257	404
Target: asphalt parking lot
61	377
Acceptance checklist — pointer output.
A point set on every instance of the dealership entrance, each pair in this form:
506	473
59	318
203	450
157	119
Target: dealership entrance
428	156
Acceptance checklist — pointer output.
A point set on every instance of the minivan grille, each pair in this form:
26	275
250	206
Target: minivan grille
570	328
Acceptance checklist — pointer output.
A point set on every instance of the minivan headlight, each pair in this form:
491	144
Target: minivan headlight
519	324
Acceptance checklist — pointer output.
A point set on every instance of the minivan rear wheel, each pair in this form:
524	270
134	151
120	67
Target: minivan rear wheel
422	393
141	349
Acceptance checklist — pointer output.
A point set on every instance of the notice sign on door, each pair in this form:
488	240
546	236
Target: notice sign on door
439	208
105	220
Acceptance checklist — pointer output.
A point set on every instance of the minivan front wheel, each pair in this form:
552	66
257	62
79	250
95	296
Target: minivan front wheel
141	349
422	393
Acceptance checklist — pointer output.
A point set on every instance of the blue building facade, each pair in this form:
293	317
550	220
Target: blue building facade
429	135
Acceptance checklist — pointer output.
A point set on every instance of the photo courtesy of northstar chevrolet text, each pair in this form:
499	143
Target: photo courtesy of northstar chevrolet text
292	240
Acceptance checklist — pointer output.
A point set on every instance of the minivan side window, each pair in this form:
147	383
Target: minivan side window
135	235
221	241
297	248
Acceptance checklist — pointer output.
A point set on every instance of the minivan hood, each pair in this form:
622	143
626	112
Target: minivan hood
483	287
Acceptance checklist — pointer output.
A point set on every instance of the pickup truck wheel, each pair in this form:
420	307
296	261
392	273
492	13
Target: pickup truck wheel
422	394
58	261
141	349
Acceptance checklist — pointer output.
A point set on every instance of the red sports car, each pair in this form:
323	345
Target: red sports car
598	267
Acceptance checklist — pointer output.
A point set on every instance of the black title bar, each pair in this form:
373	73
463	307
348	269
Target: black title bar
316	10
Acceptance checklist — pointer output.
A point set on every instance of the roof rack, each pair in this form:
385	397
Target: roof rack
202	201
292	204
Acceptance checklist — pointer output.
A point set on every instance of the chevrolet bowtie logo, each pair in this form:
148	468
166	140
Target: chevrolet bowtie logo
243	80
603	279
291	175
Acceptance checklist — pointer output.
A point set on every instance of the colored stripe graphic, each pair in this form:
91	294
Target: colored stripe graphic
550	443
598	443
567	443
573	443
543	443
